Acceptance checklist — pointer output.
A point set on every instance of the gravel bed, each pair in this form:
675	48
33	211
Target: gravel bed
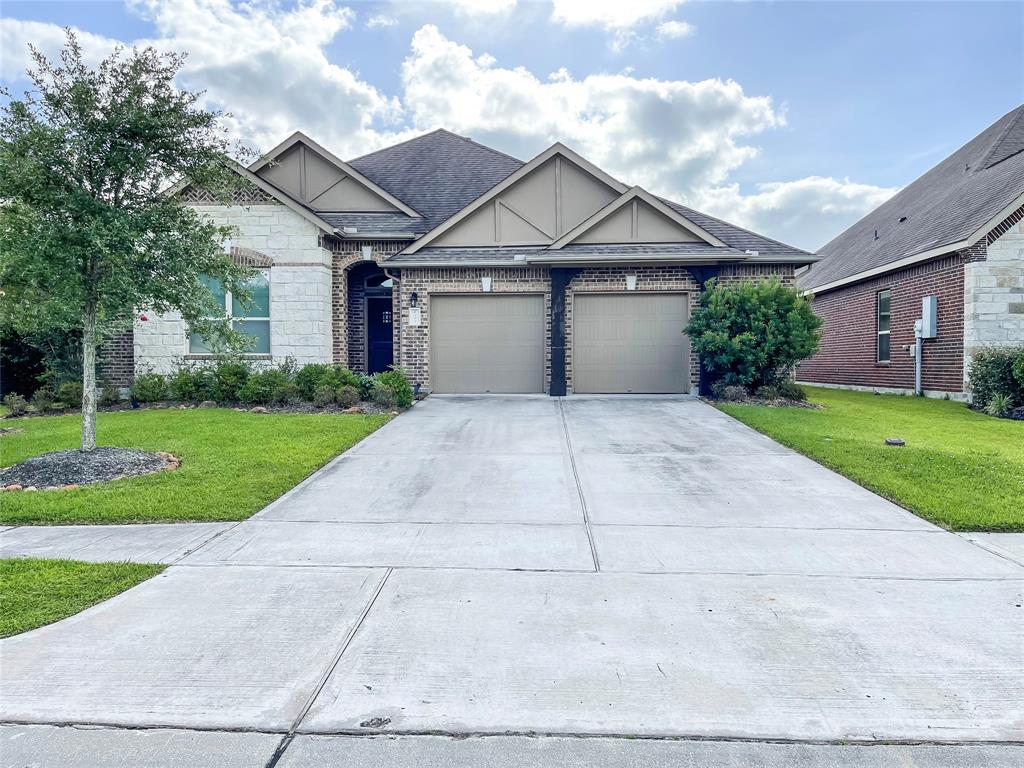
72	468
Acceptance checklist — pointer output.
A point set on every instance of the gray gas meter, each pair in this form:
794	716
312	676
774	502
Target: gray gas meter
929	314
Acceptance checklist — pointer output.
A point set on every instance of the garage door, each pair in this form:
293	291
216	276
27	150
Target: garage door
630	342
487	343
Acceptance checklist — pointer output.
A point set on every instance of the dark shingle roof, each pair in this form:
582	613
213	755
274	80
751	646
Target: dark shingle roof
737	237
597	251
437	174
945	206
376	223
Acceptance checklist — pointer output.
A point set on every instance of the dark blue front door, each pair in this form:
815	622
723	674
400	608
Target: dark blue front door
380	350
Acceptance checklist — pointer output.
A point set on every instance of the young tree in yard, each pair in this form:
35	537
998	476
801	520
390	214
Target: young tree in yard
753	333
88	237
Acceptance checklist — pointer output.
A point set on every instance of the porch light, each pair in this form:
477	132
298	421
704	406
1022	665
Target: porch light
485	284
414	299
630	282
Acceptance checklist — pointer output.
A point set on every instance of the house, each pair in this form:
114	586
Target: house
468	268
956	234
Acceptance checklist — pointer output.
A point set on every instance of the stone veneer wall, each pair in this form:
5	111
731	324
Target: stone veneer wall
300	289
994	288
425	281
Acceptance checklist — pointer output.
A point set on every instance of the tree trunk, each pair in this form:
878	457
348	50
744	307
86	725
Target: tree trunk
89	379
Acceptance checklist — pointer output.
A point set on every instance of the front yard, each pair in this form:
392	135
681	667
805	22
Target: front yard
233	463
959	469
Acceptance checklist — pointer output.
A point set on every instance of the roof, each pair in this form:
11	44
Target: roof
438	173
569	254
946	209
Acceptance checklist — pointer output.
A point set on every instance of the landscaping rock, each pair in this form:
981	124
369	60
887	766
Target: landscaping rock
60	469
895	441
353	409
258	409
208	404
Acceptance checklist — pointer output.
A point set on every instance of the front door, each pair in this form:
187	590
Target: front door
380	347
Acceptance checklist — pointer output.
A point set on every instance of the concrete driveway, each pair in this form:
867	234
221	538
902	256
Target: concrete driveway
627	566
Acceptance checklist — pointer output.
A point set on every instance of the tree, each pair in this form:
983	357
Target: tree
753	333
88	235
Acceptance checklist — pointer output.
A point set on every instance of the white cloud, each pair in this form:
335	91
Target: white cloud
15	36
671	30
807	212
381	22
610	14
484	8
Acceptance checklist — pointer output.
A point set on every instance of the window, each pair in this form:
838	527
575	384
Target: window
883	302
253	318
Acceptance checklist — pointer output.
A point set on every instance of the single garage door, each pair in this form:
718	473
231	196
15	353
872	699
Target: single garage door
630	342
489	343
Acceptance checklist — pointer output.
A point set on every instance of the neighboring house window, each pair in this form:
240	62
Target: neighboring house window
883	301
253	318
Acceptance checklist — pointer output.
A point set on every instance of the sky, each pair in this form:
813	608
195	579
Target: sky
790	118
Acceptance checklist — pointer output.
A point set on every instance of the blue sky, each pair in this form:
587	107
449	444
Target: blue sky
791	118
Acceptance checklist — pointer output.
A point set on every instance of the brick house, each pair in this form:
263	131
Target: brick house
956	233
468	268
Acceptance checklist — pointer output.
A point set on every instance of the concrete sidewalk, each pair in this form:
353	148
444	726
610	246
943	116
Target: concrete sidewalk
154	543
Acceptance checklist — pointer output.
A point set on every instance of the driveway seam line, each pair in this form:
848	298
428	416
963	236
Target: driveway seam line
979	545
579	486
288	737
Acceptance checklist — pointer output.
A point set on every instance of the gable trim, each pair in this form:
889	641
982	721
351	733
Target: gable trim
554	150
634	193
300	138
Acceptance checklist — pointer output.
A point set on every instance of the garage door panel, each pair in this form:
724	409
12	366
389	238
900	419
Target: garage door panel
630	343
488	343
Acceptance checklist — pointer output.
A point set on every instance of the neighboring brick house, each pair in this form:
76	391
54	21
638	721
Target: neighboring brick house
956	233
471	270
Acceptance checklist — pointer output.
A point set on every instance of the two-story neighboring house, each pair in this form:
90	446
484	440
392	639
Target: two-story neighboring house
956	233
470	269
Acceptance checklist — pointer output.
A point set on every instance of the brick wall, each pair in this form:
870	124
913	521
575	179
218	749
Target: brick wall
117	361
848	345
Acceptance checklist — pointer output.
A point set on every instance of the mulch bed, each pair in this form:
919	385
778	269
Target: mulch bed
778	402
70	469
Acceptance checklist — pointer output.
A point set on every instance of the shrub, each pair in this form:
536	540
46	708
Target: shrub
228	378
70	393
786	389
192	384
392	389
149	388
110	396
753	333
315	375
273	385
16	404
1018	370
43	399
992	373
325	395
364	384
347	396
999	405
729	392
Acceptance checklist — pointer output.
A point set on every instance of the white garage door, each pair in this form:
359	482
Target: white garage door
489	343
630	342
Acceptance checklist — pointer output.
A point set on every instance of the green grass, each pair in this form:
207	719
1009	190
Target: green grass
38	592
960	469
233	463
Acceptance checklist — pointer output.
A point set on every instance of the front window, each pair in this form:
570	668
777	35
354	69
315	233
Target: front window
883	303
251	318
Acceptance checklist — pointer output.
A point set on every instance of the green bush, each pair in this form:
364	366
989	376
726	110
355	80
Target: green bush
729	392
753	333
999	405
786	389
272	386
43	399
347	396
991	373
1018	370
229	378
149	388
325	395
110	396
392	389
364	383
315	375
70	393
192	384
16	404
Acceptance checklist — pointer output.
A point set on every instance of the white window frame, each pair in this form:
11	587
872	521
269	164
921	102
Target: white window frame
880	333
228	304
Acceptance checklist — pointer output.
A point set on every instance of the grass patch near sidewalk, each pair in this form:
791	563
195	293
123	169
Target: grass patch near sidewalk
34	592
233	463
960	469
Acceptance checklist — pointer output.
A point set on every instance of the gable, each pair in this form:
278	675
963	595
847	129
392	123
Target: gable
320	184
637	222
538	208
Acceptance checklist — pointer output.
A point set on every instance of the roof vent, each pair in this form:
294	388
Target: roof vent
902	219
751	253
349	230
876	234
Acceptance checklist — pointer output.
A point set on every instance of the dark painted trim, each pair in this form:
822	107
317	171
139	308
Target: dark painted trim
560	279
702	275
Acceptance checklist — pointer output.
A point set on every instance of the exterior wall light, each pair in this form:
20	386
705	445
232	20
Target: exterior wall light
630	282
414	299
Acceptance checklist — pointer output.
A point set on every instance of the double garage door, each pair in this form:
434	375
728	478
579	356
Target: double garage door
621	343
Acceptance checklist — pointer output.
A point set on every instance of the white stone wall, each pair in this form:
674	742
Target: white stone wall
300	290
994	295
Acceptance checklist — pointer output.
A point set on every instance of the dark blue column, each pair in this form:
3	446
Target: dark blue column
560	279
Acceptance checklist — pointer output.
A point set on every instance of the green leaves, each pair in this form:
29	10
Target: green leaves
752	333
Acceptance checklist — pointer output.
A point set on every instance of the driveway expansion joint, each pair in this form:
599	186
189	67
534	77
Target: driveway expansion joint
579	485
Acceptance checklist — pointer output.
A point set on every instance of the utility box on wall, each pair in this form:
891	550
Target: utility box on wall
929	316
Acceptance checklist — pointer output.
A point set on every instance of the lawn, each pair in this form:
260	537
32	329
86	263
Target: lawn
959	469
38	592
233	463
